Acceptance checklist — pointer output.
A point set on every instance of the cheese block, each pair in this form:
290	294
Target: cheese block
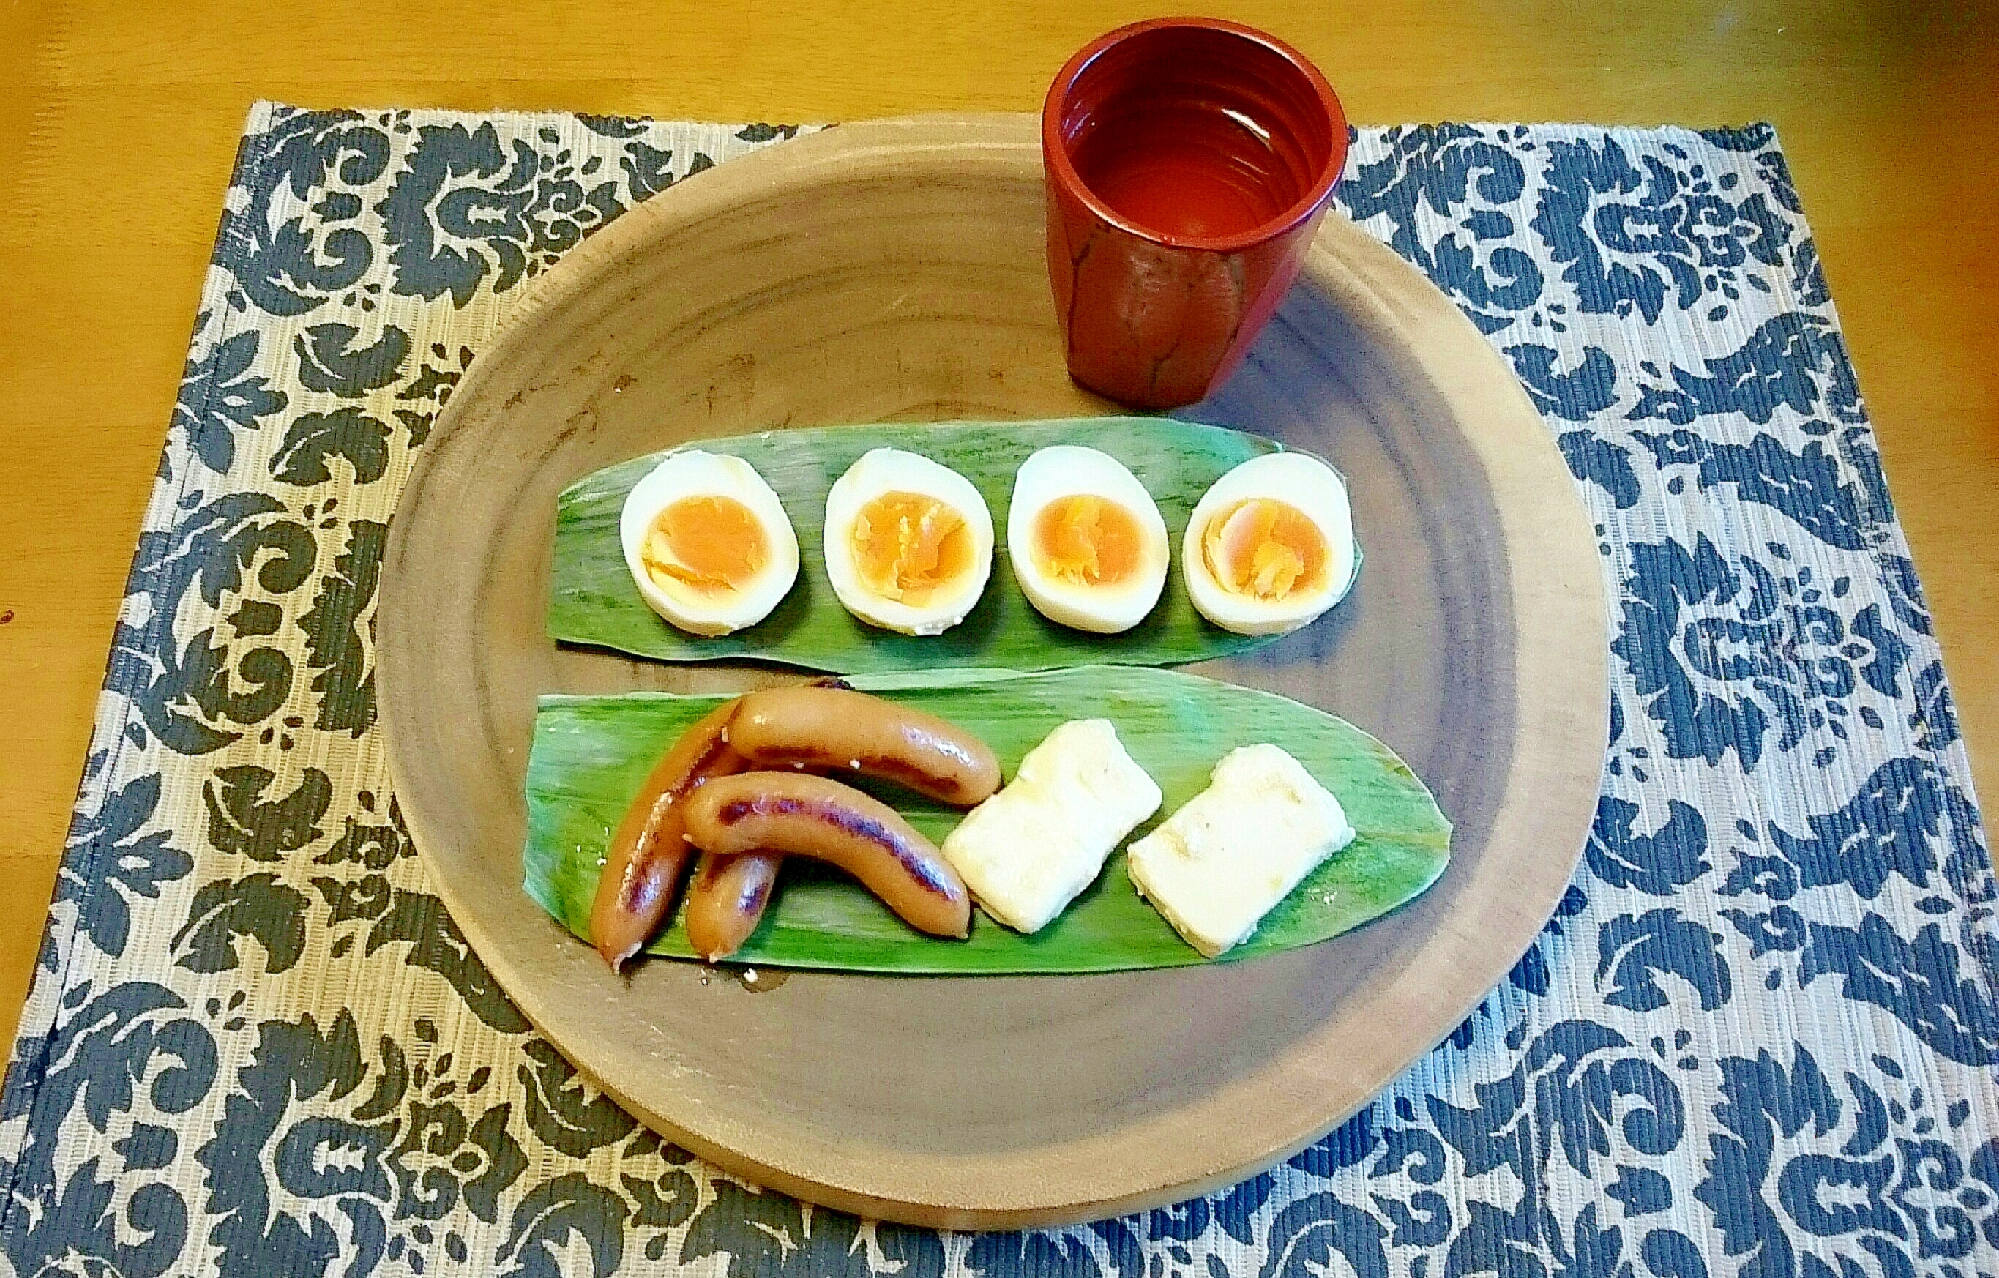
1219	864
1030	849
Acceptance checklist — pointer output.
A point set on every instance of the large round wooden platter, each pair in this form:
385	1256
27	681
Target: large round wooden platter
894	271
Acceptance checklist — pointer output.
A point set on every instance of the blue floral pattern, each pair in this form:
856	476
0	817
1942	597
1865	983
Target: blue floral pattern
1759	1037
1635	235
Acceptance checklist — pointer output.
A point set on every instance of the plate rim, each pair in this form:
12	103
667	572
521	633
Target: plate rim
1566	593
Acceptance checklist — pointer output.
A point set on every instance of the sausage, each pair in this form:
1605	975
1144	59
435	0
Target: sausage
648	851
822	729
726	900
812	816
728	894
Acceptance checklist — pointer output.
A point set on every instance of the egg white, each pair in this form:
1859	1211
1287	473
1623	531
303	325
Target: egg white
693	473
1317	491
1069	470
890	470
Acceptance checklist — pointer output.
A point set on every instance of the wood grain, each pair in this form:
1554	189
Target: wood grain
1884	111
911	260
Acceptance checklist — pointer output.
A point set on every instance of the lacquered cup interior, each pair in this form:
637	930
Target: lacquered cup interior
1197	133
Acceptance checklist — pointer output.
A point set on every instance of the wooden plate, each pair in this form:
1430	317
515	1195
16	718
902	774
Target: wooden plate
893	271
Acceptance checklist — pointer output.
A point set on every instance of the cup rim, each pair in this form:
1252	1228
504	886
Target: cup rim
1055	152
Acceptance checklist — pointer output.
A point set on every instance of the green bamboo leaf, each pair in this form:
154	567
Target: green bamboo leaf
596	603
591	753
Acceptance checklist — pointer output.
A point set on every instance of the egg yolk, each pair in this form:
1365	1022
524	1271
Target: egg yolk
1086	541
908	545
710	545
1265	549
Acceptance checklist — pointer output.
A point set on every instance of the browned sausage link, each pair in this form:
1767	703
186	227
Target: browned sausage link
648	850
726	900
727	896
812	816
837	730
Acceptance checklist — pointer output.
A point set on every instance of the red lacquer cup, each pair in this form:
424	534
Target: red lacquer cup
1189	161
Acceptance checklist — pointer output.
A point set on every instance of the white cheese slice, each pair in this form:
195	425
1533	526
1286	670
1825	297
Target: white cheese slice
1030	849
1219	864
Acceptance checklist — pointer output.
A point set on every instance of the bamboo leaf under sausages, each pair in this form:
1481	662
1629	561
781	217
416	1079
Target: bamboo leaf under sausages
590	754
595	601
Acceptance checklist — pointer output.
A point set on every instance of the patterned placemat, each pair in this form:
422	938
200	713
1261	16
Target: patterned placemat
1761	1036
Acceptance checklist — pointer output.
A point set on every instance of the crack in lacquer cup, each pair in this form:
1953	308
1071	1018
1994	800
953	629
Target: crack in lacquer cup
1189	161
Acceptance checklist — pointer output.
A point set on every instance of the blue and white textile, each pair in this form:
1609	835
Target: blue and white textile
1761	1037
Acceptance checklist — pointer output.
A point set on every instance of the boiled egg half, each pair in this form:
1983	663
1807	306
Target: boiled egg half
1086	539
708	542
909	542
1270	545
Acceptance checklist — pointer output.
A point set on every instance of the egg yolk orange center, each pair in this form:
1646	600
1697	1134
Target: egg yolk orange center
710	545
908	545
1086	541
1265	549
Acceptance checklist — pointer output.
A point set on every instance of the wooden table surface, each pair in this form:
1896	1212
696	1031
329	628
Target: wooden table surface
119	121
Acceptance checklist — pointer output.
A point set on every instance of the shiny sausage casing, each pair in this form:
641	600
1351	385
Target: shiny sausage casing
812	816
820	729
727	896
726	900
648	851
